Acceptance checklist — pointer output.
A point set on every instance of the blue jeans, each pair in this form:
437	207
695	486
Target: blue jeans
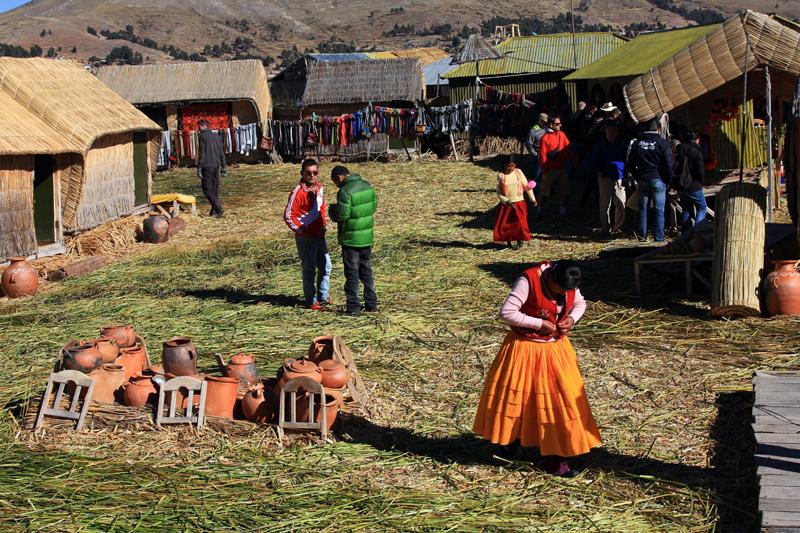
315	262
657	190
689	200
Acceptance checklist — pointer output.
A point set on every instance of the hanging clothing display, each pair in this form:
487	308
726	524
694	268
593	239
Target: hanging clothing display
247	138
448	119
218	116
166	149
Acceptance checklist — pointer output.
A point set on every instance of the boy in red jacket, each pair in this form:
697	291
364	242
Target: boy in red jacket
305	216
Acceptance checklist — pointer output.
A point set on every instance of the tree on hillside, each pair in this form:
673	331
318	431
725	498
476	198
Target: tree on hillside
44	33
74	49
51	52
91	31
36	51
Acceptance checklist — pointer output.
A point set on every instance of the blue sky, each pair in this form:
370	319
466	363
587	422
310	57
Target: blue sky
5	5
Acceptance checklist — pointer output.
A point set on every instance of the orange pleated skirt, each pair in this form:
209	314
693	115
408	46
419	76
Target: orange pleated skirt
534	392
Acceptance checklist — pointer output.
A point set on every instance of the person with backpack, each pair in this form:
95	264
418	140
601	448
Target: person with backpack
608	164
650	163
689	181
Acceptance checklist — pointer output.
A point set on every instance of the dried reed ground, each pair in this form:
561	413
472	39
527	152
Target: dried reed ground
668	385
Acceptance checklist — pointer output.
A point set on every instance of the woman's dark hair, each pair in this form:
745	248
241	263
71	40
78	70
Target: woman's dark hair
339	170
567	274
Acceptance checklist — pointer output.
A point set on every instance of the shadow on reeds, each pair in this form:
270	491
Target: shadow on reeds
489	245
241	297
477	219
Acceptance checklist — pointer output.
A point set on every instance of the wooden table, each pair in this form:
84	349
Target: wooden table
654	258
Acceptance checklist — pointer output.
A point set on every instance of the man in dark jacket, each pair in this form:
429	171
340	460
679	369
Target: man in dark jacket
210	162
608	165
650	164
690	159
353	212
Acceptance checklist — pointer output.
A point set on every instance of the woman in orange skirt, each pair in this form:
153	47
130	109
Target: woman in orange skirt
512	216
534	391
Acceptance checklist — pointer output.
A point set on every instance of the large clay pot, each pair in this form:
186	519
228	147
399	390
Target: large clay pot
321	348
221	396
782	288
256	405
183	394
134	360
81	356
243	367
156	228
338	394
331	406
108	380
298	368
108	348
179	356
124	335
334	374
140	391
19	279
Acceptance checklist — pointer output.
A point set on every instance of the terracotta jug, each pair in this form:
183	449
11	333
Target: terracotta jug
108	380
140	391
241	366
108	349
133	359
338	394
296	368
156	228
81	356
256	406
124	335
183	395
334	374
331	407
221	396
179	356
321	348
19	279
782	288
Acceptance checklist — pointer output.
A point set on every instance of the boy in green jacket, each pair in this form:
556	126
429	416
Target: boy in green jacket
353	212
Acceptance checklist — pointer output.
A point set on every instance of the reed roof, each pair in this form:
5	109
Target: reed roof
426	55
52	107
211	81
712	61
476	49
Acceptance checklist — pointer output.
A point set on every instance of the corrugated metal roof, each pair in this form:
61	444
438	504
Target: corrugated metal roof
641	54
543	53
356	56
438	68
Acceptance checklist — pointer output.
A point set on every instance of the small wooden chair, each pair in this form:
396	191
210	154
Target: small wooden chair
313	388
172	386
81	381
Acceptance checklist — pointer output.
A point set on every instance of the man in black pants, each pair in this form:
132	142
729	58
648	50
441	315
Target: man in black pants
210	164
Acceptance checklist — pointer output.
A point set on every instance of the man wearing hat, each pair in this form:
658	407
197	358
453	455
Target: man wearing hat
532	144
608	108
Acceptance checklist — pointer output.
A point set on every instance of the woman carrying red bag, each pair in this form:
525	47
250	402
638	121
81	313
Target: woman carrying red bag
512	217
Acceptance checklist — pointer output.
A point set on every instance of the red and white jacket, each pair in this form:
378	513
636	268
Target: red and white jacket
305	211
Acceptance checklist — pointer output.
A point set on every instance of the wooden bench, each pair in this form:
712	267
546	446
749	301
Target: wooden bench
689	261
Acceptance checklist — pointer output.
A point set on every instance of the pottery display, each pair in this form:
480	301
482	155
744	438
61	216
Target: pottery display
321	348
156	228
331	406
19	279
108	380
108	348
133	359
300	368
221	395
241	366
334	374
124	335
338	394
782	288
139	391
183	394
256	405
179	356
81	356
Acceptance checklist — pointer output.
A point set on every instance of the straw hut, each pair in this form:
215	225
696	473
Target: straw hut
177	95
73	155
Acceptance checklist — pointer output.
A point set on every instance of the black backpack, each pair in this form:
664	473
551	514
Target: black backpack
682	175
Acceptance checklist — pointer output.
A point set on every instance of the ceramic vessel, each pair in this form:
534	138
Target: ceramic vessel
124	335
108	349
334	374
782	288
183	394
298	368
81	356
133	359
256	405
179	356
221	396
331	408
338	394
139	391
243	367
108	380
19	279
156	228
321	348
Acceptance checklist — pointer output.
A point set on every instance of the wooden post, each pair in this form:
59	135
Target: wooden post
453	144
770	163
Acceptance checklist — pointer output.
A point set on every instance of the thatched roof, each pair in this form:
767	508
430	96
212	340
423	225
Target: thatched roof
712	61
426	55
212	81
476	49
310	82
51	107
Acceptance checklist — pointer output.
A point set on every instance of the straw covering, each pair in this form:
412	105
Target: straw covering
476	49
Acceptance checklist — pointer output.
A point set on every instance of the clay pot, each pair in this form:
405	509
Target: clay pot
108	349
140	391
153	370
243	367
179	356
334	374
331	406
108	380
300	368
183	394
156	228
321	348
19	279
336	393
124	335
782	288
221	396
255	405
81	356
134	360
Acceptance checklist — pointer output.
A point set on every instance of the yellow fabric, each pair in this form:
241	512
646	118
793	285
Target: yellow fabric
171	197
534	392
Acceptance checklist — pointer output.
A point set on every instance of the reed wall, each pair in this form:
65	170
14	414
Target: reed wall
17	233
108	185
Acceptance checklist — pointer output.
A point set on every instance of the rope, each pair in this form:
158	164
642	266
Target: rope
655	88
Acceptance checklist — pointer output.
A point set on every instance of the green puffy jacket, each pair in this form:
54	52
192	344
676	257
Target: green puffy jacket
356	203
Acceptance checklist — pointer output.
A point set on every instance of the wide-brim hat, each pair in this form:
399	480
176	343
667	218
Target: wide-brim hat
608	107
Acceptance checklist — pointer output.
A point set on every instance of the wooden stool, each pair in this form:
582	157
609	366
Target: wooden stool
62	378
172	386
312	388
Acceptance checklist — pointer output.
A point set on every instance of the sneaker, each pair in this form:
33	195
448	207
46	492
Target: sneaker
356	312
316	306
372	309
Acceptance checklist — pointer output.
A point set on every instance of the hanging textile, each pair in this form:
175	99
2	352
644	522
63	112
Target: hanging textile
165	151
217	115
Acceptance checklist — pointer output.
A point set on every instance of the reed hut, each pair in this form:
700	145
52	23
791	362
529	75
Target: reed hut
73	155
